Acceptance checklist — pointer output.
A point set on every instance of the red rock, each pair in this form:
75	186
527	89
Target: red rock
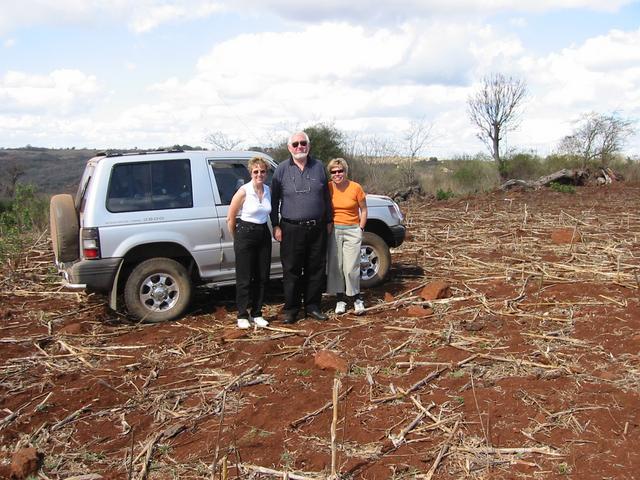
25	463
388	297
220	313
231	334
326	360
418	311
435	290
72	329
603	374
565	235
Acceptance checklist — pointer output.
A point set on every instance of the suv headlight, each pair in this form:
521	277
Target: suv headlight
395	212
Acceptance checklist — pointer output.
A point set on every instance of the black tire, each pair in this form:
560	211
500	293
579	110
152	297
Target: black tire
63	223
157	290
375	260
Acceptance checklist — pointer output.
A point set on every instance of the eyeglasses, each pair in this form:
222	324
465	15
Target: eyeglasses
302	143
335	172
257	172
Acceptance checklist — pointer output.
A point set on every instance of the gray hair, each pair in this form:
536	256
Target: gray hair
298	133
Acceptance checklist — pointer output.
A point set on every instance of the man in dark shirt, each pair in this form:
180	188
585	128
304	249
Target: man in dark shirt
301	216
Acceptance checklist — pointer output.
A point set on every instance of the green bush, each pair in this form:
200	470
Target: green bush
20	217
557	161
630	170
444	195
25	211
523	166
473	176
378	177
562	188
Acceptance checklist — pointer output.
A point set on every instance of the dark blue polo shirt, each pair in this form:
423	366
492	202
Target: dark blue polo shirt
300	194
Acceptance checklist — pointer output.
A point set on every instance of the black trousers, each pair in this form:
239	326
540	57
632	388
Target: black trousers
252	247
303	256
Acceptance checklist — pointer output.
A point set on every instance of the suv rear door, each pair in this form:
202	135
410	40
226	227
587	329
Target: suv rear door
228	175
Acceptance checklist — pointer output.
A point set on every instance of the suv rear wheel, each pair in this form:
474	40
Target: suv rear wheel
375	260
157	290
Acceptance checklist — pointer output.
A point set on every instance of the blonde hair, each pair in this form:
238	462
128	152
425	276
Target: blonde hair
255	161
338	162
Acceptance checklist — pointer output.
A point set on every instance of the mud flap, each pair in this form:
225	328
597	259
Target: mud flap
113	296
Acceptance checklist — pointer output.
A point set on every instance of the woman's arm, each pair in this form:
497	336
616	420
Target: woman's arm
363	212
236	204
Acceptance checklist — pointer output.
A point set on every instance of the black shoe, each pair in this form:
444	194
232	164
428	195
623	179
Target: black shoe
317	314
289	318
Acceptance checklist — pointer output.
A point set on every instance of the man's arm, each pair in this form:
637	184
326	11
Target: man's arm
328	206
276	196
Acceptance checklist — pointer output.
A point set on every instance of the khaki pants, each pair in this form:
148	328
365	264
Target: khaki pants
343	262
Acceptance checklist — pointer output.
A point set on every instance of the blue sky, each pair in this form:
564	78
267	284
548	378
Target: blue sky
149	73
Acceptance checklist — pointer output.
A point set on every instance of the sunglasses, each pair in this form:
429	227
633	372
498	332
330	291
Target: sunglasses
302	143
334	172
256	172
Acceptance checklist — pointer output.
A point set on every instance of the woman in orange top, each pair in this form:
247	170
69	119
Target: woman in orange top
349	220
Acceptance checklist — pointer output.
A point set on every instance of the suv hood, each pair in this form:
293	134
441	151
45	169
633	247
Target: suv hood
378	200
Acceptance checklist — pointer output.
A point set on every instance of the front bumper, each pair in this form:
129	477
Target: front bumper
93	275
398	233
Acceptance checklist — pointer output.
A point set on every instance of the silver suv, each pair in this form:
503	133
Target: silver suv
147	227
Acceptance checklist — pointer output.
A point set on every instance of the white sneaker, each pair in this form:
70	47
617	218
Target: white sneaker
243	323
358	307
260	321
341	307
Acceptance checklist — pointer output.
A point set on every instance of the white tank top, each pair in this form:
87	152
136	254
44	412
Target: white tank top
254	210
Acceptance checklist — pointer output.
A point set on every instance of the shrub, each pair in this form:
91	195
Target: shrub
378	177
562	188
26	211
473	176
556	162
442	195
630	170
523	166
20	217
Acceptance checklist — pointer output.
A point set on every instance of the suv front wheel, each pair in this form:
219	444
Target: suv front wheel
157	290
375	260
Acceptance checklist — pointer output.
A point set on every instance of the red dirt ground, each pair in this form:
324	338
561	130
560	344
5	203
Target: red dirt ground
529	369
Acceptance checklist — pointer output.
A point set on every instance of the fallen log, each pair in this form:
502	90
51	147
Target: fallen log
570	176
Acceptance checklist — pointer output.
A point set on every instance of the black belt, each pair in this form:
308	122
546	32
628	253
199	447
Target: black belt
252	225
304	223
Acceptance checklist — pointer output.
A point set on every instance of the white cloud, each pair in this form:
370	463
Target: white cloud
60	92
364	77
145	15
602	74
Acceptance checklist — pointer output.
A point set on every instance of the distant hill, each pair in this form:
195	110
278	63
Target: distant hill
50	170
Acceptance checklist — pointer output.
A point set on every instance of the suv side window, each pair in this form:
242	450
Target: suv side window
135	187
229	178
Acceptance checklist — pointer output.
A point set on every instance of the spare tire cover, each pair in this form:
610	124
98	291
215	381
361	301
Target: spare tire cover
63	220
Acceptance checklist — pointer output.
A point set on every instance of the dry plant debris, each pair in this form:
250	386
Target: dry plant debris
528	369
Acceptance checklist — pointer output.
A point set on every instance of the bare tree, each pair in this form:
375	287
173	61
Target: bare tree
12	171
416	138
222	141
496	109
597	137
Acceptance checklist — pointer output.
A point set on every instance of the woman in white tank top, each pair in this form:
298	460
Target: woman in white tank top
251	243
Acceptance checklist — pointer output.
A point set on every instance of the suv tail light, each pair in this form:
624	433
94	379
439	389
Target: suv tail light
90	243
